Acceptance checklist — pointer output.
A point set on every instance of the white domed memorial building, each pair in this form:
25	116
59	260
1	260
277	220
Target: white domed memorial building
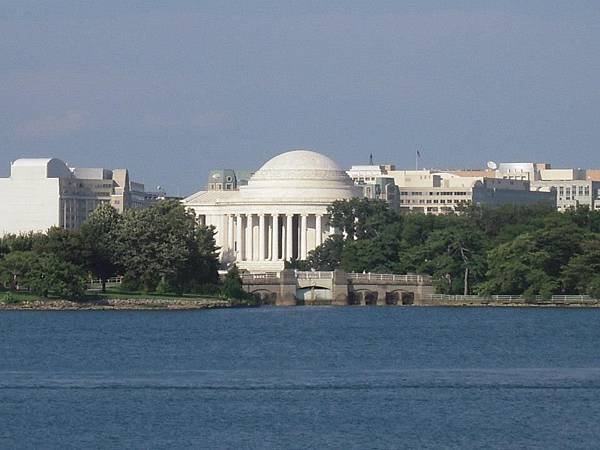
279	215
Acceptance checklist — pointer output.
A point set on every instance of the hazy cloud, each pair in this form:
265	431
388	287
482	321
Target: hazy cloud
205	120
53	125
211	119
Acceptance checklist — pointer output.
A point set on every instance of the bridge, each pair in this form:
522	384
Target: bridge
291	287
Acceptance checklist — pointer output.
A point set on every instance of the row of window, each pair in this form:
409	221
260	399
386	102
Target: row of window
462	193
431	209
364	179
583	190
219	187
428	201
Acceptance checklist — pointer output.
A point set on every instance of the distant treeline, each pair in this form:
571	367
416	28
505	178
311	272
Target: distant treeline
531	250
509	250
162	248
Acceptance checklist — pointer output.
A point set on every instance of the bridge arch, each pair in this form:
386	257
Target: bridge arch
399	297
264	296
316	284
362	296
314	295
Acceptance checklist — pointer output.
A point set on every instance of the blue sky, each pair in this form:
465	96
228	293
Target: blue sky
173	89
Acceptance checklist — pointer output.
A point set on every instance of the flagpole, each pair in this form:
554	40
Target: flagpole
417	159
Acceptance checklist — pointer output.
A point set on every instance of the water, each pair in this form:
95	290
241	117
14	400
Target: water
301	378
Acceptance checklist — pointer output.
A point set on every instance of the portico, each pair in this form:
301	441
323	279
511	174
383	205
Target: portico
274	236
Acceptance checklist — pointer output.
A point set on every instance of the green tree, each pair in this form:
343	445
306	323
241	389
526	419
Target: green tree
23	242
593	289
367	239
582	273
584	218
201	270
455	256
165	243
503	223
99	237
66	245
4	248
361	218
328	255
15	268
232	284
297	264
517	268
42	274
51	274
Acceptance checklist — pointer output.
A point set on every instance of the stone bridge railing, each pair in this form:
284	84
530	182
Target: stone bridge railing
367	278
384	278
260	276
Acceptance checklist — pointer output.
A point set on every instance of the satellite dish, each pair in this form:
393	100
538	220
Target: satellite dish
492	165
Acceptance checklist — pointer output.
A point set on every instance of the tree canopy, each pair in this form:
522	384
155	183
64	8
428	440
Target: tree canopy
527	250
163	247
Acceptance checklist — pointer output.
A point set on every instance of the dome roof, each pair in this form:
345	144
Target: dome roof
300	160
300	175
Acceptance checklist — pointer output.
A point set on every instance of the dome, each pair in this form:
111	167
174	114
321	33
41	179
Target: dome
301	175
300	160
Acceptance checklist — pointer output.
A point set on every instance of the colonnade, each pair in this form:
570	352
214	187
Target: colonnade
272	237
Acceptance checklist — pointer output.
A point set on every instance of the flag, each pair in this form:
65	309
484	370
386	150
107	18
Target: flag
418	153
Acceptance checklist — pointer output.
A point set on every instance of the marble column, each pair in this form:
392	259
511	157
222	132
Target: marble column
240	245
250	236
303	236
230	232
318	230
261	237
289	236
275	251
282	246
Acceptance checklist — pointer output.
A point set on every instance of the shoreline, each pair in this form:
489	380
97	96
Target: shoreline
197	304
116	304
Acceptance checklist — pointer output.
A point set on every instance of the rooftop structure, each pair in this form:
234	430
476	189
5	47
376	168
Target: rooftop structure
227	179
375	182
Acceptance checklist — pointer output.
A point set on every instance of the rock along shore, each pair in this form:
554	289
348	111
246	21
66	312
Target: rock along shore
118	304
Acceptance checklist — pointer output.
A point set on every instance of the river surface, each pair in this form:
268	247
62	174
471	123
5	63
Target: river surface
301	377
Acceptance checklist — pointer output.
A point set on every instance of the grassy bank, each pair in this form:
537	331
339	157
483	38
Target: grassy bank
112	299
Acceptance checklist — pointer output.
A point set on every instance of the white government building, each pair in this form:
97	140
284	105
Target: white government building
280	214
44	192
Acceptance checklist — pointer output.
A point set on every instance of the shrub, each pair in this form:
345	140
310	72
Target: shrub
10	299
594	288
